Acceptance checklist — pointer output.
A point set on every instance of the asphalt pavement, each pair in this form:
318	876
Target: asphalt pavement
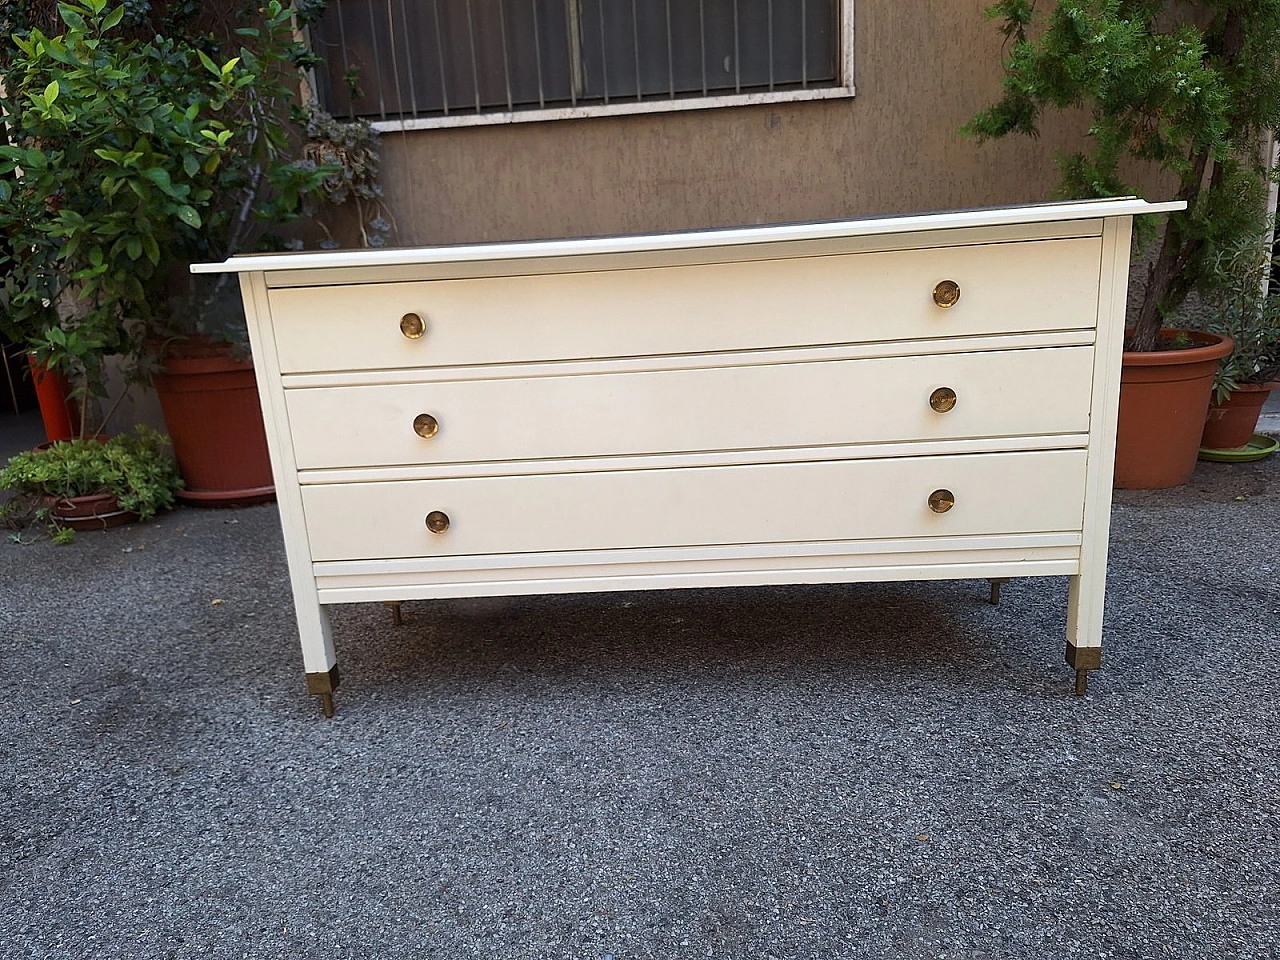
870	770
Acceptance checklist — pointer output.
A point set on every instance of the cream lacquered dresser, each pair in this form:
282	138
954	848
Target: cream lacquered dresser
908	398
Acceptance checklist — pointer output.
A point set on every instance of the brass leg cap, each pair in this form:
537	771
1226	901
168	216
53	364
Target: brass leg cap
322	685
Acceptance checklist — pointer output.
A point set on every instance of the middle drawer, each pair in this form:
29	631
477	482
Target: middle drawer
814	403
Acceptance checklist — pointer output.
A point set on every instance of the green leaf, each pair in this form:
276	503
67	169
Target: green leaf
72	19
51	92
134	248
151	248
113	18
208	63
160	177
191	164
189	216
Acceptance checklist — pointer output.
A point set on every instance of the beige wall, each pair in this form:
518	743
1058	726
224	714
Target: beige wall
923	67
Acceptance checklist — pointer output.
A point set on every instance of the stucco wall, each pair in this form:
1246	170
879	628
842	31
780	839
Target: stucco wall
922	69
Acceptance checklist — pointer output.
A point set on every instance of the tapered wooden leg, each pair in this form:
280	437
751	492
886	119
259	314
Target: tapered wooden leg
317	653
1084	628
396	618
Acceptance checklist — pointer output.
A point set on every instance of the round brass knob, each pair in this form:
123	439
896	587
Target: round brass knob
942	399
426	426
940	501
412	326
437	521
946	294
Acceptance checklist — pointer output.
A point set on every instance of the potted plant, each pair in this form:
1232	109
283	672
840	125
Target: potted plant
91	484
136	146
1184	86
90	206
1240	308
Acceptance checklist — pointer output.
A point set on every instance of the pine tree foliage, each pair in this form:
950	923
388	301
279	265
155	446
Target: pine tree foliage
1191	86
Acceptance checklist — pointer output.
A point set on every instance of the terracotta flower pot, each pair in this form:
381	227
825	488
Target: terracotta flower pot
1164	396
1232	424
53	394
96	511
211	407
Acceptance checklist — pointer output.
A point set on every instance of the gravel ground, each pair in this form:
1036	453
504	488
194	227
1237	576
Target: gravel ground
880	770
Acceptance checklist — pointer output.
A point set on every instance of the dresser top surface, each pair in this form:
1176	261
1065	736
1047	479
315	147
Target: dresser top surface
734	236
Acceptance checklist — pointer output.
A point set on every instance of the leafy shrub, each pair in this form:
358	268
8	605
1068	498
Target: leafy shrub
1189	86
1237	307
136	468
123	158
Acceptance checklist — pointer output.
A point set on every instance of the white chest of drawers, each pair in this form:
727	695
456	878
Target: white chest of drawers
909	398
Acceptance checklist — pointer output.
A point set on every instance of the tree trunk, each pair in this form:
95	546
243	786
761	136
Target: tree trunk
1161	275
1166	284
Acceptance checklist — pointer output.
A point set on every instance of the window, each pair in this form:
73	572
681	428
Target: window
424	63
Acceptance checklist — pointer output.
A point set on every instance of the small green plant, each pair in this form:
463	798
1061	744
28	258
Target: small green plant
1240	309
349	150
137	469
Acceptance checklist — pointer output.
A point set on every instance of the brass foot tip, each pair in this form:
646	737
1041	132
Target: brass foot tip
1082	682
397	619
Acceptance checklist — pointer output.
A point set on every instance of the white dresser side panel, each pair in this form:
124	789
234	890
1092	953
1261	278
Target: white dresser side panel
1087	592
313	623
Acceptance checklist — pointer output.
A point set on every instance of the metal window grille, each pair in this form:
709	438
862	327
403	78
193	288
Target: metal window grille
408	59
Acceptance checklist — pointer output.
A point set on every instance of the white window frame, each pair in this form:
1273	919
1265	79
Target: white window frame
843	89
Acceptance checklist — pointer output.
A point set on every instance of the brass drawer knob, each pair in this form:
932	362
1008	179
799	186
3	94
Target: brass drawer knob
943	399
940	501
412	326
426	426
946	294
437	521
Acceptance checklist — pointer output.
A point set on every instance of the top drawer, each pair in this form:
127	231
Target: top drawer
1003	288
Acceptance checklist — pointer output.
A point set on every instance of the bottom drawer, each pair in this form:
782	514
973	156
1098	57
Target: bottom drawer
768	503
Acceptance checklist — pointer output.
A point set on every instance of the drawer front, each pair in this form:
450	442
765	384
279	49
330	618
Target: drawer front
829	500
996	394
853	298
